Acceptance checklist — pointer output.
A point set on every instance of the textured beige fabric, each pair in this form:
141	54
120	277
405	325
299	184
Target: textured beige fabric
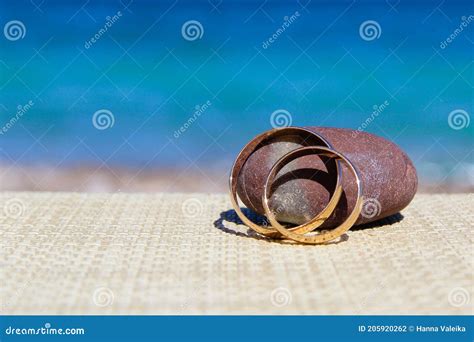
67	253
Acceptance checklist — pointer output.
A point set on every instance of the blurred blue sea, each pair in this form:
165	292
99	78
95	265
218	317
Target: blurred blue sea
319	69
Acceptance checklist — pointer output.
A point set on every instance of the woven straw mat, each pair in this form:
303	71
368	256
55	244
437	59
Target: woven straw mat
72	253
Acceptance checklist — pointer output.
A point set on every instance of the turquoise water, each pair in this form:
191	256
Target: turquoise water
319	70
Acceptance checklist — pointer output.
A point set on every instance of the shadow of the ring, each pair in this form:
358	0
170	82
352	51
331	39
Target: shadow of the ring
232	217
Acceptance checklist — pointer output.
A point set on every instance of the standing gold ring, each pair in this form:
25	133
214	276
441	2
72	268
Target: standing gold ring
244	156
325	236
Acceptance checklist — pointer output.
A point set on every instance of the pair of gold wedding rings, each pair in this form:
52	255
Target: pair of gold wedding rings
304	233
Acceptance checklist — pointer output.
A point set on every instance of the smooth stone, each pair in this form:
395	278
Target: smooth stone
303	187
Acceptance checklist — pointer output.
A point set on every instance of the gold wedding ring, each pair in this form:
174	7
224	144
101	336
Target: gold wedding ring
318	237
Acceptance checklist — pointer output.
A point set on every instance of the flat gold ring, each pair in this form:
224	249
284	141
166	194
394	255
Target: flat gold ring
322	237
240	162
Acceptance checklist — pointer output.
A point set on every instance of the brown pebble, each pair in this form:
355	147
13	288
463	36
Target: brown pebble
303	187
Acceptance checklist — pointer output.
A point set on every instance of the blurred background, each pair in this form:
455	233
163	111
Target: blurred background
161	95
